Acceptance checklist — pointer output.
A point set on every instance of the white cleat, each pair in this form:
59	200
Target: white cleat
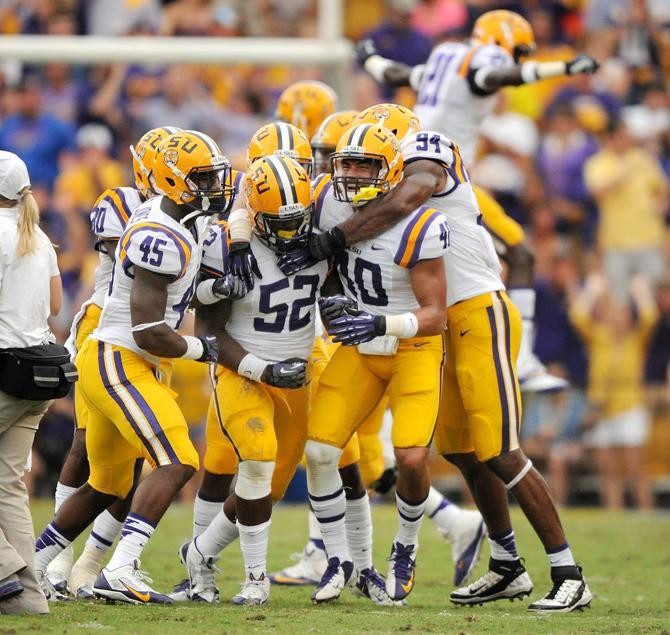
129	585
569	593
58	571
466	534
85	571
503	581
334	580
309	569
253	592
371	584
201	572
534	376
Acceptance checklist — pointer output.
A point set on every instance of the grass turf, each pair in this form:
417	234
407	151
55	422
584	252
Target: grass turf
625	556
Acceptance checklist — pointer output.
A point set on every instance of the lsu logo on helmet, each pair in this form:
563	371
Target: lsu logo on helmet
143	157
399	120
282	139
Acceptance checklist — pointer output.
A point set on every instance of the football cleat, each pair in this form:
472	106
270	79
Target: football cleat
253	592
127	584
503	580
201	570
50	592
181	592
400	578
58	570
335	578
534	376
370	584
466	535
309	569
85	571
569	593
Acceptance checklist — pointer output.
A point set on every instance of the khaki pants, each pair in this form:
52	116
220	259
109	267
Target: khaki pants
19	419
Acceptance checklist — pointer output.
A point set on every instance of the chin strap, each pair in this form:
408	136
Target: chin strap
194	214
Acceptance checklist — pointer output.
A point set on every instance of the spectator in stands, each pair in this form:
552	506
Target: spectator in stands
617	342
92	171
183	102
631	192
436	18
37	137
564	149
119	17
199	17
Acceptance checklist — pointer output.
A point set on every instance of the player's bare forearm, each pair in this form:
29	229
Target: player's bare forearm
211	319
496	79
110	247
382	214
148	300
332	285
429	283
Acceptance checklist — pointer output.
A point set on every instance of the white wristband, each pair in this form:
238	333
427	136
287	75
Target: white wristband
376	65
532	72
402	326
205	294
252	367
194	347
239	226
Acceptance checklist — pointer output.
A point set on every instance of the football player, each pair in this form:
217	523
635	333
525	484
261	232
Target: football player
132	414
261	395
395	294
325	139
456	91
108	220
464	529
306	104
480	411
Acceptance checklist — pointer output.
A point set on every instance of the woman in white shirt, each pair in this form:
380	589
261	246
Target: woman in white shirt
30	291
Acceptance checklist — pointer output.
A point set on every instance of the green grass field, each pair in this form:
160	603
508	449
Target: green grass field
626	557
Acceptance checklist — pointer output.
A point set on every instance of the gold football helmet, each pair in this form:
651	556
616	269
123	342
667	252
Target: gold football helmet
306	104
143	155
190	170
279	198
367	163
506	29
399	120
326	137
282	139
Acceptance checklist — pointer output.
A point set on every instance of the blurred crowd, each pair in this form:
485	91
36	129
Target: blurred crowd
582	163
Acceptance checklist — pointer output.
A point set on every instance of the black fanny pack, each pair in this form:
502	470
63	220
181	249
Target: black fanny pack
37	373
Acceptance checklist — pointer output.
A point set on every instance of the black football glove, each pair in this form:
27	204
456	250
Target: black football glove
291	373
241	263
582	64
318	247
229	287
386	481
362	327
365	49
335	306
210	346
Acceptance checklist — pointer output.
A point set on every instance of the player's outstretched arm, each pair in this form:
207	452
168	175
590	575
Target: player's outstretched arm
148	300
488	79
421	179
385	71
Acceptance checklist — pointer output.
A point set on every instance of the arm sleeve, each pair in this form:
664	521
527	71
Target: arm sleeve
427	235
53	263
483	60
214	252
110	214
155	248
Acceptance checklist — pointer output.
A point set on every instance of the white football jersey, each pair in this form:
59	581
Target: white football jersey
152	240
376	273
472	264
446	102
276	320
108	220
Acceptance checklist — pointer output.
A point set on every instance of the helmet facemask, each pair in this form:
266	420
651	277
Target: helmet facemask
368	182
210	188
286	230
